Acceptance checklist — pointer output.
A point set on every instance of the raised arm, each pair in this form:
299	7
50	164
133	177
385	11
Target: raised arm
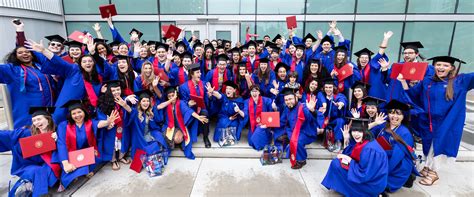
115	34
20	34
384	44
96	28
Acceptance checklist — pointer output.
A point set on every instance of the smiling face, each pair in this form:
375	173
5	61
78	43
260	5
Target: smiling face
443	69
313	68
161	53
251	51
254	93
147	69
371	110
290	100
196	75
78	115
282	73
326	46
187	62
299	53
409	55
395	116
308	42
55	47
221	65
292	49
143	52
144	104
123	49
23	55
116	91
340	57
364	60
313	86
75	52
87	63
102	50
329	89
358	93
263	67
122	65
229	91
357	135
236	57
40	122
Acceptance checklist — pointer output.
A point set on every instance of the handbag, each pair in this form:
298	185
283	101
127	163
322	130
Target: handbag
271	155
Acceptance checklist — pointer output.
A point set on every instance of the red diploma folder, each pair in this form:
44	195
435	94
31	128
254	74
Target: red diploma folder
396	69
79	36
82	157
383	143
162	74
165	28
173	32
199	101
291	22
414	70
105	10
37	144
271	119
344	72
137	164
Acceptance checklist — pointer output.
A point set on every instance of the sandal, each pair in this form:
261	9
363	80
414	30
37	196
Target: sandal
430	179
90	175
124	161
115	166
425	171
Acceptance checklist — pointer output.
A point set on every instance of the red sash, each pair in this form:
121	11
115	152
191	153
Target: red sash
293	64
181	75
179	115
340	87
366	74
215	78
127	91
192	90
71	142
295	135
55	167
68	59
249	63
119	122
206	64
255	118
272	65
155	65
90	91
362	111
357	150
326	119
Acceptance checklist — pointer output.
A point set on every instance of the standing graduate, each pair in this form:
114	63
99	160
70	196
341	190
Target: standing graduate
398	143
230	118
79	131
340	62
28	86
147	80
325	53
443	97
195	86
263	76
362	168
180	74
297	61
177	117
253	59
298	122
259	135
74	51
36	173
220	74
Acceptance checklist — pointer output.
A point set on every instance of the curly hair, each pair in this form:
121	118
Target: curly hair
106	102
11	57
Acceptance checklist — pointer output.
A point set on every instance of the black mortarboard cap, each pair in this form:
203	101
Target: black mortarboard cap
263	60
222	57
114	43
197	44
281	64
278	36
359	124
122	57
161	45
144	42
96	40
209	46
143	94
195	66
251	43
363	51
329	81
41	110
412	45
235	50
448	59
180	43
231	84
288	91
185	55
309	36
327	39
340	48
113	83
56	38
395	104
140	34
369	100
360	84
300	46
169	89
73	104
73	43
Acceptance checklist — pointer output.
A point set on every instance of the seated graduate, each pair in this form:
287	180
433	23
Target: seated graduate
220	74
114	141
374	113
298	123
263	76
179	74
230	120
244	79
259	135
78	132
333	107
146	132
340	61
36	173
195	86
178	118
362	168
357	106
397	141
147	80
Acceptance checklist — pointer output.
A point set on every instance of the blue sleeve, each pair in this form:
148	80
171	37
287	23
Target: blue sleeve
5	140
264	53
415	91
296	40
116	35
371	165
467	80
61	142
129	117
188	46
347	44
374	62
7	73
57	66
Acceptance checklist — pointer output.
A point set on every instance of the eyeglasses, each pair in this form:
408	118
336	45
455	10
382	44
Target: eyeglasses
55	44
408	53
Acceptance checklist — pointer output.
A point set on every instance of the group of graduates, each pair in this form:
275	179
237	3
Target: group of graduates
124	96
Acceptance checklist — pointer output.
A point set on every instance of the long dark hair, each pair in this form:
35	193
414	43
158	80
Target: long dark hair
261	76
94	75
107	48
344	61
397	137
322	73
106	102
354	99
11	57
130	75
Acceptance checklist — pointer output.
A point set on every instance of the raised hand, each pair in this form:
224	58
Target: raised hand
169	56
311	104
276	84
114	115
137	47
387	35
91	46
380	118
34	46
332	24
19	27
96	27
209	88
334	73
120	101
336	32
247	75
345	132
320	34
340	105
155	81
132	98
355	113
236	108
54	136
103	89
383	64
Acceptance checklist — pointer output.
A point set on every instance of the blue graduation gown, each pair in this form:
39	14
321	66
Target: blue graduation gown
400	163
349	81
264	88
260	136
336	116
288	119
210	76
33	169
447	117
243	88
186	112
253	64
174	75
106	137
327	59
184	96
137	129
298	68
368	177
226	111
26	93
377	88
62	153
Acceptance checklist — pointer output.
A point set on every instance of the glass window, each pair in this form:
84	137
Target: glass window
274	28
87	26
462	45
370	35
231	6
83	7
330	6
182	7
150	30
344	27
136	6
243	26
280	7
381	6
437	43
188	34
465	6
224	35
432	6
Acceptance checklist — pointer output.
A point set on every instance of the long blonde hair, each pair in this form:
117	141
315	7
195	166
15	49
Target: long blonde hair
148	112
146	82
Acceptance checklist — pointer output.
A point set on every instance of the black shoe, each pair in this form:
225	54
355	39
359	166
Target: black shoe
207	143
298	165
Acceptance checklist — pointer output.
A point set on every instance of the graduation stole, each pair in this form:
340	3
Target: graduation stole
206	64
340	86
293	64
55	167
365	74
90	91
255	118
71	142
215	78
295	135
24	74
171	127
192	90
181	75
119	122
358	149
326	119
272	65
362	110
127	91
250	66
